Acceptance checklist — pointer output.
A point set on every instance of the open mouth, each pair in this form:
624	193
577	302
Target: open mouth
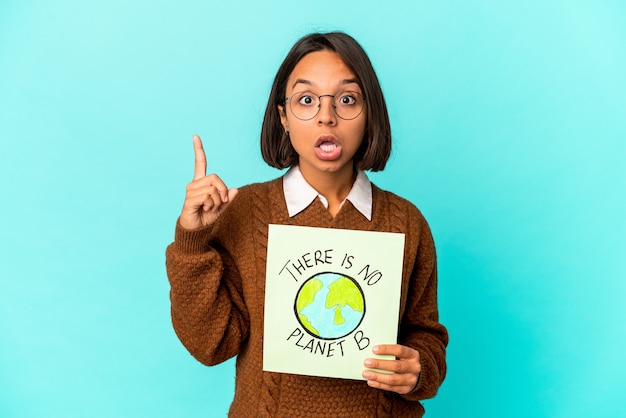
327	147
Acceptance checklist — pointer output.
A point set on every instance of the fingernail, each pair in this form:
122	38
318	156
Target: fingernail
375	349
367	374
368	362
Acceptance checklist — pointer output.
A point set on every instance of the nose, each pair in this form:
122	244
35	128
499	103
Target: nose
326	114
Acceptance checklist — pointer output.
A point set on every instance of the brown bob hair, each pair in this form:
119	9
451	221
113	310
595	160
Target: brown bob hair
374	152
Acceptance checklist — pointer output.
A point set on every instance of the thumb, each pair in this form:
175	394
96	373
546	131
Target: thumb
232	194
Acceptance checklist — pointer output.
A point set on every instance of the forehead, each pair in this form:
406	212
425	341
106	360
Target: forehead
321	69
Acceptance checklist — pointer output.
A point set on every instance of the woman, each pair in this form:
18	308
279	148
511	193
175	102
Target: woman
326	120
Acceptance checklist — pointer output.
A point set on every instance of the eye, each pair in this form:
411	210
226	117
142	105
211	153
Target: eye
347	98
305	99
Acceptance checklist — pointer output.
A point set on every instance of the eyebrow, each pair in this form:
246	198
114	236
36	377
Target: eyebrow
310	83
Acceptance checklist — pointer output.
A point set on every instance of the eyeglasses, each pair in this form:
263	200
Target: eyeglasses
306	105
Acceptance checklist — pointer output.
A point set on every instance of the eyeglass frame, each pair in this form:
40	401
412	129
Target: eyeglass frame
319	105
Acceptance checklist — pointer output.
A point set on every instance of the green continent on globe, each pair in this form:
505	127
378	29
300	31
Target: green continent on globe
306	297
307	293
338	318
344	292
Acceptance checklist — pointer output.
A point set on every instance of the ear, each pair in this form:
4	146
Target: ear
283	118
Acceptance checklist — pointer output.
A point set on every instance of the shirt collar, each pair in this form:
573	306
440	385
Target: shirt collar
299	194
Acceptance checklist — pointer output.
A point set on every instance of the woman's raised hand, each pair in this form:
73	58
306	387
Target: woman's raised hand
206	197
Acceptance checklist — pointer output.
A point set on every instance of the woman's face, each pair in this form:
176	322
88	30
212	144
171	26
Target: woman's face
325	143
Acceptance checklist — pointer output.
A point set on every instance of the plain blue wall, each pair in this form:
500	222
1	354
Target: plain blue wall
509	129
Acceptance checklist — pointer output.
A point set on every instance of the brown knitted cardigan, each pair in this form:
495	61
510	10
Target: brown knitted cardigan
217	278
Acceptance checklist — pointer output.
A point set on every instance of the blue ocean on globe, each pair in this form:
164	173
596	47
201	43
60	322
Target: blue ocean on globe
322	318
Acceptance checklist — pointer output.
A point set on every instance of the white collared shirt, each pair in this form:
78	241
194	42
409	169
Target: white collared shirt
299	194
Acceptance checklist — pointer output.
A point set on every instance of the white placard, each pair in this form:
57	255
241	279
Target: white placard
330	296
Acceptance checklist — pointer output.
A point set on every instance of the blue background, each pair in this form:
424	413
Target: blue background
509	131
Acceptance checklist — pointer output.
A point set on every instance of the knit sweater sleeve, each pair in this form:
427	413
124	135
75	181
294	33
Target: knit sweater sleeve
207	307
420	327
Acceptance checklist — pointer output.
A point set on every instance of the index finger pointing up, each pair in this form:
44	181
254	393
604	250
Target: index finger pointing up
200	167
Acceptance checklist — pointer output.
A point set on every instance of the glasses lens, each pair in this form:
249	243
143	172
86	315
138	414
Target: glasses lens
347	104
304	105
